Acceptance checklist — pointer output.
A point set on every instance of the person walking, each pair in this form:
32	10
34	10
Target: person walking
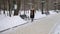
32	14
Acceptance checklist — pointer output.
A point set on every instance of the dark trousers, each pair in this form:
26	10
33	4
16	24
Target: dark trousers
32	17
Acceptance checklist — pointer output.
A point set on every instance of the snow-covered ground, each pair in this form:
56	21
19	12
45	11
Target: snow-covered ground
56	29
8	22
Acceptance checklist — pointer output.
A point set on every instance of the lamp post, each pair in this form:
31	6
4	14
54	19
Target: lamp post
42	6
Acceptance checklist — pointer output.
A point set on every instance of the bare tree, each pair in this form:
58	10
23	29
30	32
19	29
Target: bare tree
4	6
18	7
10	7
0	7
7	7
42	3
47	7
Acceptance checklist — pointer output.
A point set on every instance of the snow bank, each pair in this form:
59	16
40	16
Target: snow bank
8	22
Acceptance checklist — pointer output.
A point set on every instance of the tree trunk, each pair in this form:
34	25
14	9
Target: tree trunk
9	7
0	8
47	7
4	7
18	8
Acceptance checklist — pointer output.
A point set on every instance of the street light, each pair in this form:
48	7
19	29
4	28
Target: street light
42	6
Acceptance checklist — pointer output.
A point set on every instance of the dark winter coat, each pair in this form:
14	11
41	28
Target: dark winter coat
32	14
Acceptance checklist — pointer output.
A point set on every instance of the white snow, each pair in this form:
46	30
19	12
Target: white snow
8	22
52	12
57	29
39	15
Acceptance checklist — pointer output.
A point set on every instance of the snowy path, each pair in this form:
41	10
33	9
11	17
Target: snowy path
42	26
56	30
8	22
